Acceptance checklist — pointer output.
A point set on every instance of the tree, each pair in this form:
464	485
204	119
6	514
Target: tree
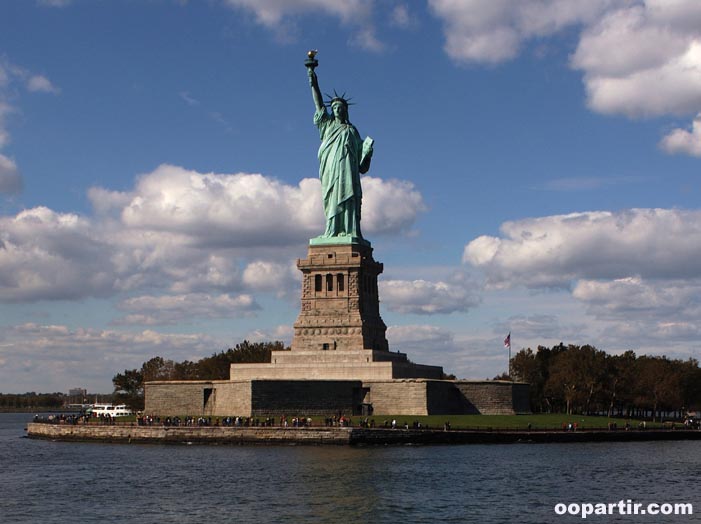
256	352
534	368
577	377
129	388
691	383
585	379
158	369
524	366
620	382
659	385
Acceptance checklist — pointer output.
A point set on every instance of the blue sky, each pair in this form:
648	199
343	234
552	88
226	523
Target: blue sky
536	171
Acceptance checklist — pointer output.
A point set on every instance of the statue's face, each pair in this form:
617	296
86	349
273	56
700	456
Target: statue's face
340	111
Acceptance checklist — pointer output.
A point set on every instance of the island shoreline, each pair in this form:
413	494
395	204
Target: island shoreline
336	435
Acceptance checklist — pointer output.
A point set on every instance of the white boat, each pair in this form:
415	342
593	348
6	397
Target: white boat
109	410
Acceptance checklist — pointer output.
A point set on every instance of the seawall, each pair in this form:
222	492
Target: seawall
334	435
189	434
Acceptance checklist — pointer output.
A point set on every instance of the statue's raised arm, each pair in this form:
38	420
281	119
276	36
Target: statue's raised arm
316	92
343	156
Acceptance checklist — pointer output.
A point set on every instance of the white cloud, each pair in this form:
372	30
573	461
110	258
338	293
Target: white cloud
530	327
639	58
422	297
635	298
624	47
366	38
4	75
474	357
492	31
280	16
626	41
683	141
182	232
677	84
554	251
644	59
224	210
10	74
188	99
636	273
5	109
424	344
13	74
41	84
251	209
105	201
389	206
49	255
410	337
178	309
10	178
273	12
670	338
55	3
45	358
263	275
401	17
283	332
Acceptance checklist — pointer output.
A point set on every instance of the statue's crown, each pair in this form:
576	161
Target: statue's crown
338	98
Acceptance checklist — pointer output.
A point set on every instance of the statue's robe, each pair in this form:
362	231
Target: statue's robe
340	157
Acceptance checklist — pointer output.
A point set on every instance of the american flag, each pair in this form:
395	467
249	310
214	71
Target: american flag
507	341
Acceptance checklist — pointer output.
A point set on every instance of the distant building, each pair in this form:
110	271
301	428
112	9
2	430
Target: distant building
78	392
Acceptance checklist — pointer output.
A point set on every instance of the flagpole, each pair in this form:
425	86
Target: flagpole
507	343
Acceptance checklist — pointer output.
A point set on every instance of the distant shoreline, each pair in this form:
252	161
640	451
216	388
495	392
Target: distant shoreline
335	435
37	410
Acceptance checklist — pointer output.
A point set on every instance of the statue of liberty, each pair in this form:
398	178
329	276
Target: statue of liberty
343	157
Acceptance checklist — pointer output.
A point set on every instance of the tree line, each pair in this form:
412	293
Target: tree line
563	379
129	385
31	401
585	380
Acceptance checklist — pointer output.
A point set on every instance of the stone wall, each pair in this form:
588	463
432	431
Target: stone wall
326	397
197	397
309	397
190	434
522	398
176	397
313	370
335	365
232	398
411	370
444	398
494	397
397	397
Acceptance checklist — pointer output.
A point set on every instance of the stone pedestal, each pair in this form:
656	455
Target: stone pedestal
340	305
339	334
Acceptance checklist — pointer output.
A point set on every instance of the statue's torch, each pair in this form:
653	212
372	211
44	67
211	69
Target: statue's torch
311	62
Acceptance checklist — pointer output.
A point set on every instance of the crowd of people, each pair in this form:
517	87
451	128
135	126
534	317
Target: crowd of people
73	418
282	421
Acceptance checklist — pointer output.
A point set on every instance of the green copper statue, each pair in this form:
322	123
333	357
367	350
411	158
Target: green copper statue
343	157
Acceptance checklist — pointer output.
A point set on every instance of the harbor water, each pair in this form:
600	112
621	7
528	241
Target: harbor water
59	482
